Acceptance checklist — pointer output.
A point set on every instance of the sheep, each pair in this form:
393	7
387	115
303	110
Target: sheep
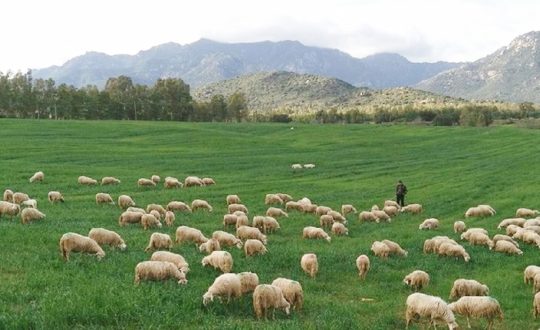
171	182
226	285
188	234
481	307
275	212
339	229
169	218
432	244
391	211
529	273
500	237
229	219
208	181
479	238
421	305
241	219
258	221
292	205
192	181
129	217
136	209
322	210
296	166
511	230
465	235
511	221
529	237
309	264
143	182
395	248
267	298
526	213
254	246
463	287
309	208
536	229
9	209
30	214
30	203
429	224
233	199
326	220
459	227
176	259
337	216
453	250
156	207
200	204
237	207
72	242
248	281
381	215
507	247
210	246
348	208
316	233
292	292
20	197
270	225
124	201
417	280
109	180
392	203
363	265
308	166
8	196
226	239
531	223
177	206
38	176
536	304
536	283
104	198
156	214
380	249
270	199
84	180
158	271
367	216
149	220
412	208
107	237
245	232
159	241
221	260
480	211
305	201
285	197
155	178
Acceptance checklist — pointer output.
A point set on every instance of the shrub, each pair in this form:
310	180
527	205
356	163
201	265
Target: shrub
476	116
447	117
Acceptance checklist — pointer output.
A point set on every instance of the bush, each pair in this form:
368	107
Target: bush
476	116
447	117
280	118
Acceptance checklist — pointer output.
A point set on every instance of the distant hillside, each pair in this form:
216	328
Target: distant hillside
207	61
512	74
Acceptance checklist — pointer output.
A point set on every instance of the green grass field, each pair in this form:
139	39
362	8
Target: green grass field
446	169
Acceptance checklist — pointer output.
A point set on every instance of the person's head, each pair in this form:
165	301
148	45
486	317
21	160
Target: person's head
399	181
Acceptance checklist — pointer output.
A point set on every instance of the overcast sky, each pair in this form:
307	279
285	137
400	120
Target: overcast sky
40	33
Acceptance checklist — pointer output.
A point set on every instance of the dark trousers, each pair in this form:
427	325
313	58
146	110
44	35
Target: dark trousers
400	199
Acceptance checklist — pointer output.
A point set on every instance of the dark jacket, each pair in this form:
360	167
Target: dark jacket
401	189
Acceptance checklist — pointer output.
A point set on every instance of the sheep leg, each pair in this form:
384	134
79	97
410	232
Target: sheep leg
468	323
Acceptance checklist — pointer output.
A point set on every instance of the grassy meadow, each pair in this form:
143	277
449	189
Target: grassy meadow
446	169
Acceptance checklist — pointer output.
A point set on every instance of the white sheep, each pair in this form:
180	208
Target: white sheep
55	196
296	166
480	211
315	233
267	298
9	209
171	182
155	178
129	217
156	214
158	271
104	198
149	220
529	273
38	176
159	241
20	197
136	209
276	212
107	237
500	237
465	235
210	246
309	264
292	205
337	216
169	218
124	201
208	181
536	305
109	180
390	210
270	225
459	227
536	283
156	207
226	239
367	216
72	242
229	219
272	199
200	204
85	180
188	234
237	207
176	259
326	220
380	249
412	208
30	203
143	182
221	260
395	248
481	307
225	286
241	219
453	250
285	197
254	246
381	215
193	181
526	213
363	265
245	232
309	208
479	238
233	199
348	208
177	206
248	281
511	221
30	214
292	292
431	223
8	196
322	210
421	305
511	230
531	223
417	280
339	229
433	244
464	287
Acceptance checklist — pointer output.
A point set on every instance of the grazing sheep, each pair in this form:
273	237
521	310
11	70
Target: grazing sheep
9	209
292	292
177	206
531	223
245	232
528	237
305	201
480	211
171	182
412	208
104	198
429	224
233	199
72	242
363	265
124	201
107	237
221	260
339	229
188	234
536	304
149	220
316	233
390	210
20	197
337	216
529	273
200	204
285	197
459	227
380	249
433	244
241	219
208	181
481	307
270	199
156	207
158	271
367	216
507	247
258	221
309	264
479	238
270	225
136	209
308	166
511	221
326	220
229	219
421	305
500	237
275	212
296	166
526	213
159	241
381	215
267	298
226	285
511	230
38	176
155	214
86	180
192	181
176	259
226	239
30	214
30	203
254	246
292	205
453	250
143	182
129	217
169	218
463	287
8	196
536	283
248	281
155	178
465	235
55	196
417	280
347	208
237	207
536	229
322	210
109	180
395	248
309	208
210	246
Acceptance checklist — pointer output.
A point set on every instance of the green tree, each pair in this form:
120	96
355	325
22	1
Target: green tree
120	90
237	106
174	98
218	108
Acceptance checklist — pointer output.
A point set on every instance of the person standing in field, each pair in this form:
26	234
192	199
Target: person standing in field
401	190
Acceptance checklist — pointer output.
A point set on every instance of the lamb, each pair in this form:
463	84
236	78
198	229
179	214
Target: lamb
417	280
9	209
412	208
155	178
176	259
233	199
468	233
254	246
226	239
221	260
381	215
158	271
337	216
20	197
322	210
188	234
326	220
178	206
363	265
248	281
192	181
296	166
245	232
536	304
367	216
348	208
267	298
143	182
241	219
480	211
124	201
390	210
292	292
308	166
38	176
421	305
511	221
481	307
526	213
391	203
304	201
109	180
171	182
107	237
270	225
156	214
258	221
479	238
275	212
453	250
272	199
55	196
30	203
459	227
429	224
226	285
156	207
237	207
229	219
30	214
200	204
72	242
292	205
500	237
159	241
463	287
529	273
8	196
285	197
316	233
169	218
339	229
84	180
104	198
210	246
129	217
149	220
380	249
507	247
309	264
395	248
208	181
